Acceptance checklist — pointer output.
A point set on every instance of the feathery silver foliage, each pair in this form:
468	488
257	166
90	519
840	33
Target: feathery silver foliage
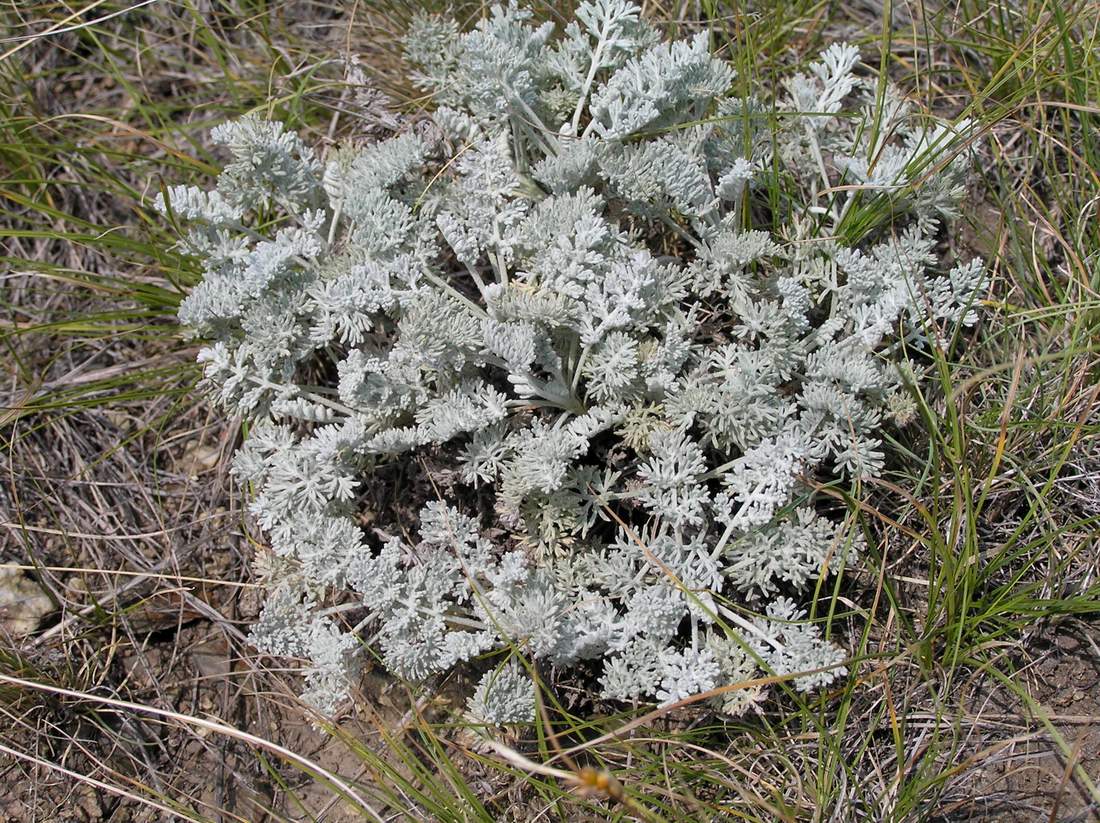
559	311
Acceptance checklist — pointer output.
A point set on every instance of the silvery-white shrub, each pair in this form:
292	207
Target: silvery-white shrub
562	298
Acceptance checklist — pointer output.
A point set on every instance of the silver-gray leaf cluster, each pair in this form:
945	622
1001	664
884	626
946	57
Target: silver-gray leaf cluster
618	392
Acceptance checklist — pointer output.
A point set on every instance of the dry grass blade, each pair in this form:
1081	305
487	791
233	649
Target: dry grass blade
338	783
